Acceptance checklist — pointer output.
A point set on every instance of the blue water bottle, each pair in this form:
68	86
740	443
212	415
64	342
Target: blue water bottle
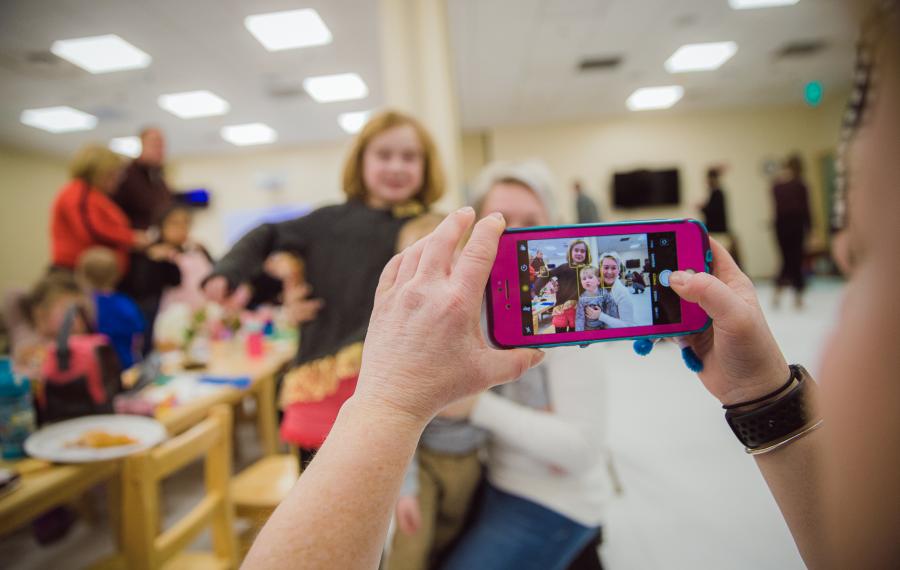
16	411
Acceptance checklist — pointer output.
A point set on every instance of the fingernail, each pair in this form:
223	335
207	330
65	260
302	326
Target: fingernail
498	215
465	210
537	357
679	278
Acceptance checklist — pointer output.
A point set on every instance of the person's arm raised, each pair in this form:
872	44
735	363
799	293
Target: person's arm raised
742	362
424	349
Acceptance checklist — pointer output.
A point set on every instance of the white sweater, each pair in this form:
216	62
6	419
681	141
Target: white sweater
626	309
558	458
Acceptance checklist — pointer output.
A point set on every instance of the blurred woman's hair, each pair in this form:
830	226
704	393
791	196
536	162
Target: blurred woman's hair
531	174
433	183
93	164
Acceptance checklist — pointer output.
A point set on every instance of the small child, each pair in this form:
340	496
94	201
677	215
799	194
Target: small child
34	318
592	296
118	316
193	261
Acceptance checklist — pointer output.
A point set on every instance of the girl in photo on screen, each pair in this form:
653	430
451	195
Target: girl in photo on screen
569	288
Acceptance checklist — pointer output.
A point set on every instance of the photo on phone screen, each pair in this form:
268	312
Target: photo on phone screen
597	282
594	282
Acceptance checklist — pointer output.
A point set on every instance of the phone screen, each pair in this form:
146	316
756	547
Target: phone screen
591	283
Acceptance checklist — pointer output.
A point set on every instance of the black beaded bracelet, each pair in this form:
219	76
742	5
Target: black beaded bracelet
791	377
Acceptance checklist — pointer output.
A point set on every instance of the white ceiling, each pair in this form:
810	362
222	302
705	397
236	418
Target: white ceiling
516	62
195	44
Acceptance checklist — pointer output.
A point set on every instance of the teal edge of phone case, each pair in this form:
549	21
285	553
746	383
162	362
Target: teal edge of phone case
581	343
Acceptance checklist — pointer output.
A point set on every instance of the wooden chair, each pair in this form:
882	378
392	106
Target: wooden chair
259	489
143	546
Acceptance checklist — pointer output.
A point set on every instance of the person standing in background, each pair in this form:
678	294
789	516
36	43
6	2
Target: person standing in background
585	208
792	225
143	193
145	198
392	174
714	211
83	216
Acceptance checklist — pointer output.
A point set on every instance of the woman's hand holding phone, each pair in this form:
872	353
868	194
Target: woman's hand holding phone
424	347
741	360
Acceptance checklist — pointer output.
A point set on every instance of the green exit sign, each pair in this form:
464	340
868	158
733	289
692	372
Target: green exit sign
812	93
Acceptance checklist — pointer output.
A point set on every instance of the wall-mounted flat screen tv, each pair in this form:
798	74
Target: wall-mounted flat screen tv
646	188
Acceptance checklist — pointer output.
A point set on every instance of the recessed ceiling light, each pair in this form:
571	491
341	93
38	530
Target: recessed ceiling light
288	30
647	98
340	87
353	122
753	4
58	119
128	146
101	54
193	104
700	57
249	134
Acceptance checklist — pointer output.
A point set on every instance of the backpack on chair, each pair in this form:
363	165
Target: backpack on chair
81	373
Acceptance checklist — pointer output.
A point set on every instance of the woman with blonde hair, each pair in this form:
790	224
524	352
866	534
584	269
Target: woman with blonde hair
620	312
391	175
84	216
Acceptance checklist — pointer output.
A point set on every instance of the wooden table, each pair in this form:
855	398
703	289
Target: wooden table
543	307
230	359
45	485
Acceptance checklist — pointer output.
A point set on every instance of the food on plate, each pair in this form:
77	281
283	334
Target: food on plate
99	439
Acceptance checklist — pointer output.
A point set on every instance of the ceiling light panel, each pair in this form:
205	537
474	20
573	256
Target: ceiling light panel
754	4
193	104
58	119
127	146
353	122
340	87
249	134
647	98
700	57
101	54
288	30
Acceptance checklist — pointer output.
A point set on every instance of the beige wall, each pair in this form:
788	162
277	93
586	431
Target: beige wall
741	139
28	184
308	175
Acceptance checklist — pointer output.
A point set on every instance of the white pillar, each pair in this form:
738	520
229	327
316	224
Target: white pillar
418	78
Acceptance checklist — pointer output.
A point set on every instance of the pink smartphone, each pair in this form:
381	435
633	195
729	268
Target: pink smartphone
565	285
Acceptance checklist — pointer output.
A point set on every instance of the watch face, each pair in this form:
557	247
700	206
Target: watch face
777	417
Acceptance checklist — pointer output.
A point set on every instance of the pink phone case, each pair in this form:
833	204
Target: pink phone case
505	308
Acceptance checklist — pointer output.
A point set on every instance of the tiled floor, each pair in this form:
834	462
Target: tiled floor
692	499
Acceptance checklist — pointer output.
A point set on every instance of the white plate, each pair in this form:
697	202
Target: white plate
53	443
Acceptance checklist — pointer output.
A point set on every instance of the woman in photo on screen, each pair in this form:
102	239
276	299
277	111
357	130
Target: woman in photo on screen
618	311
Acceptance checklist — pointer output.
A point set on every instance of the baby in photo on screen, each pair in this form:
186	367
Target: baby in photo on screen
592	296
